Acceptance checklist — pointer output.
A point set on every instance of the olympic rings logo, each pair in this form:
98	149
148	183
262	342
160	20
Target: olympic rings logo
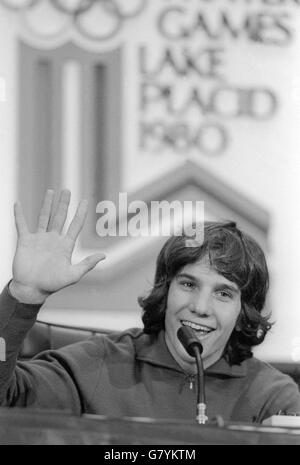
111	13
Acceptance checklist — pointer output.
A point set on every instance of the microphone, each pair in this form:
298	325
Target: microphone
189	341
194	348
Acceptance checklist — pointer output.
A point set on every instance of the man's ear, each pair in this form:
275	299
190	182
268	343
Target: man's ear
260	333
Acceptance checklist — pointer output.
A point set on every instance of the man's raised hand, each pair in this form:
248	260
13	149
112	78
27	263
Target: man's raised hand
42	263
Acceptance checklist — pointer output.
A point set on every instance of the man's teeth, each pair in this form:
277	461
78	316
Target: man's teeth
196	327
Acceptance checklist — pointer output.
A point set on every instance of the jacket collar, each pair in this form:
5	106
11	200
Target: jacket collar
154	350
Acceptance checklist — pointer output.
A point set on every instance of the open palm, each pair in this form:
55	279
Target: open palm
42	263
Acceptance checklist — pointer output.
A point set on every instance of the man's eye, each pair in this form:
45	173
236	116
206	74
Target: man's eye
187	284
224	295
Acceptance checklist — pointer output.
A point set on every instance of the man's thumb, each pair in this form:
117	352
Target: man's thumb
88	263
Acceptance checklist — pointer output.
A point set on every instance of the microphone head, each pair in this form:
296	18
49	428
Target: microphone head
188	339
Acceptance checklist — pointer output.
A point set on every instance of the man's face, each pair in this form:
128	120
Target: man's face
201	298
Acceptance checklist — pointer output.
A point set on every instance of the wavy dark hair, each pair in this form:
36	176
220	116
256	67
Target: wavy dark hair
237	257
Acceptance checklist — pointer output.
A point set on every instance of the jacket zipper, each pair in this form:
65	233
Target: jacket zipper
191	379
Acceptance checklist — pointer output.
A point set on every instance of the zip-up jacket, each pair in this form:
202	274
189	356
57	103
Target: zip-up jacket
132	374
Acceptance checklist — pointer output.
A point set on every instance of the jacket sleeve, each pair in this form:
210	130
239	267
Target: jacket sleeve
50	380
284	398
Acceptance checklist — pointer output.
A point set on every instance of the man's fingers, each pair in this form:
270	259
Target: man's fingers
45	212
61	213
78	220
88	264
20	220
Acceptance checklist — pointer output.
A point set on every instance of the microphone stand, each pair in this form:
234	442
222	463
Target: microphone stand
194	348
201	404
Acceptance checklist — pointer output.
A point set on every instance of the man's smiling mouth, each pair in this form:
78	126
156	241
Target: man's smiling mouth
202	329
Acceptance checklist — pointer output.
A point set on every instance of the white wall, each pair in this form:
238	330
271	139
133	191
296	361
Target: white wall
262	159
8	143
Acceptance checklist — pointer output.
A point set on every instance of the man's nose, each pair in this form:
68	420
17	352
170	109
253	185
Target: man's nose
201	304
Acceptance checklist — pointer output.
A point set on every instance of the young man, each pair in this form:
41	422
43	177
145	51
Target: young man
217	288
